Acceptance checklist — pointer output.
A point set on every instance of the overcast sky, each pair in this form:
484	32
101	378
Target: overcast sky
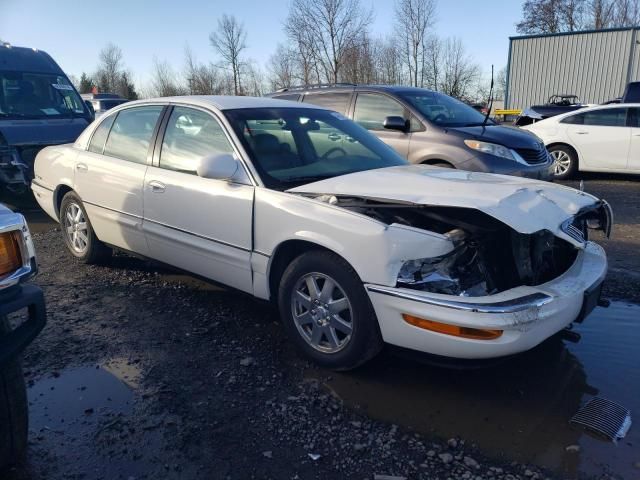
74	31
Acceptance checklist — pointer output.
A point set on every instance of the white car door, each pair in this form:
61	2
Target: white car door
601	137
198	224
109	176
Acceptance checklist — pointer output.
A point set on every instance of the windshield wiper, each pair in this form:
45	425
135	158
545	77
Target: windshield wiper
309	178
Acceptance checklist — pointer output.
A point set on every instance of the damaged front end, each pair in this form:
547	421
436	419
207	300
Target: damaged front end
488	256
16	166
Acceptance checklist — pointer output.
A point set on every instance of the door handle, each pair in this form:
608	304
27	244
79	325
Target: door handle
334	137
156	186
582	133
81	167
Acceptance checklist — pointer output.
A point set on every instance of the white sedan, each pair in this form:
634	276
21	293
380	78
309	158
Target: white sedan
299	205
605	138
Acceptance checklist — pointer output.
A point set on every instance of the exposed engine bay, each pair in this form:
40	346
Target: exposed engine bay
488	256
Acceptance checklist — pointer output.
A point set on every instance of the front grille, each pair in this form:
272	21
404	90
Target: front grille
604	417
533	156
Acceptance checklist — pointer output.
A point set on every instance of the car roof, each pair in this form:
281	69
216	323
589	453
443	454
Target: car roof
558	118
311	89
226	102
22	59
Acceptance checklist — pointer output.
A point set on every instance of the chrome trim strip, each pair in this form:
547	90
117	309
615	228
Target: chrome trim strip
174	228
198	235
112	210
534	300
33	182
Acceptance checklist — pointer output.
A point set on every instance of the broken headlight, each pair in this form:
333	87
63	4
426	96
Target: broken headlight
457	273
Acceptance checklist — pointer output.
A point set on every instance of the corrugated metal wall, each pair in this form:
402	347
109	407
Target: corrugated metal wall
596	66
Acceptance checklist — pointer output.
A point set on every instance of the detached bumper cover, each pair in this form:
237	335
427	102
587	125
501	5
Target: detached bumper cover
527	315
17	298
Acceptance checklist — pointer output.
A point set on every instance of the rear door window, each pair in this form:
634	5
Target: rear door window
100	135
372	108
336	101
609	117
131	133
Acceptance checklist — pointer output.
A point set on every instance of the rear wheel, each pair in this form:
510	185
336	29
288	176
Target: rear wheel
13	410
565	161
327	312
78	233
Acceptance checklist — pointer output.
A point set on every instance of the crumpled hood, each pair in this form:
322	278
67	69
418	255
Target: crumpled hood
41	132
525	205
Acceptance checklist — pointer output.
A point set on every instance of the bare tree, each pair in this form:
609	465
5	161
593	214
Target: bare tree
433	62
387	62
230	41
359	62
627	13
164	82
601	13
200	79
306	48
413	19
459	73
327	30
110	68
282	67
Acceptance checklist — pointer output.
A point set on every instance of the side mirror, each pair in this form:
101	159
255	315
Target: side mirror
92	112
220	167
396	123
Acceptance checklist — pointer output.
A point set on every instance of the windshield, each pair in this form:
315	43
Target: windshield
38	95
443	110
294	146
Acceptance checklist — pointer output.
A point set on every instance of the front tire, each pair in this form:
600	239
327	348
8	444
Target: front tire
13	410
327	312
565	162
78	233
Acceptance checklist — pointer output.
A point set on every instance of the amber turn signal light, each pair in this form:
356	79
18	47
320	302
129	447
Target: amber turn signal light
10	258
454	330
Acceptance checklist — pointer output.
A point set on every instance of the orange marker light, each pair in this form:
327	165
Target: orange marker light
10	258
454	330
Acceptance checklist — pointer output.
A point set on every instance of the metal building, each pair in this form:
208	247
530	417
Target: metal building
595	65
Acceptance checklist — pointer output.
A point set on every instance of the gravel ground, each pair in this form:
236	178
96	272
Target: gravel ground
221	393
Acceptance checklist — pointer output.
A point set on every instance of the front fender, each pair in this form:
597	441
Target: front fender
376	251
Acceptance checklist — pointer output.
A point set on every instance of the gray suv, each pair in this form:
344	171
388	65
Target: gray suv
432	128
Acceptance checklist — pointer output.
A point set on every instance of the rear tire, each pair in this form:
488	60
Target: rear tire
565	161
78	233
327	312
441	164
13	410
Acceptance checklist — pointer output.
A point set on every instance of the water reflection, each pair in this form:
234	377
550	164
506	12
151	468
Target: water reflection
519	409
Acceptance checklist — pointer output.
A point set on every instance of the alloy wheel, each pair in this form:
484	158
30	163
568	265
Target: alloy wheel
322	312
76	228
561	162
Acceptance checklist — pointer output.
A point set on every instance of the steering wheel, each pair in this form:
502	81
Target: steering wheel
333	150
439	118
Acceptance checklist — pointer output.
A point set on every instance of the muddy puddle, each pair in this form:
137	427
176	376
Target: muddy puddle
520	409
84	415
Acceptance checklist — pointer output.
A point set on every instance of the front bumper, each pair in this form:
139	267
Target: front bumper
483	162
13	300
527	315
